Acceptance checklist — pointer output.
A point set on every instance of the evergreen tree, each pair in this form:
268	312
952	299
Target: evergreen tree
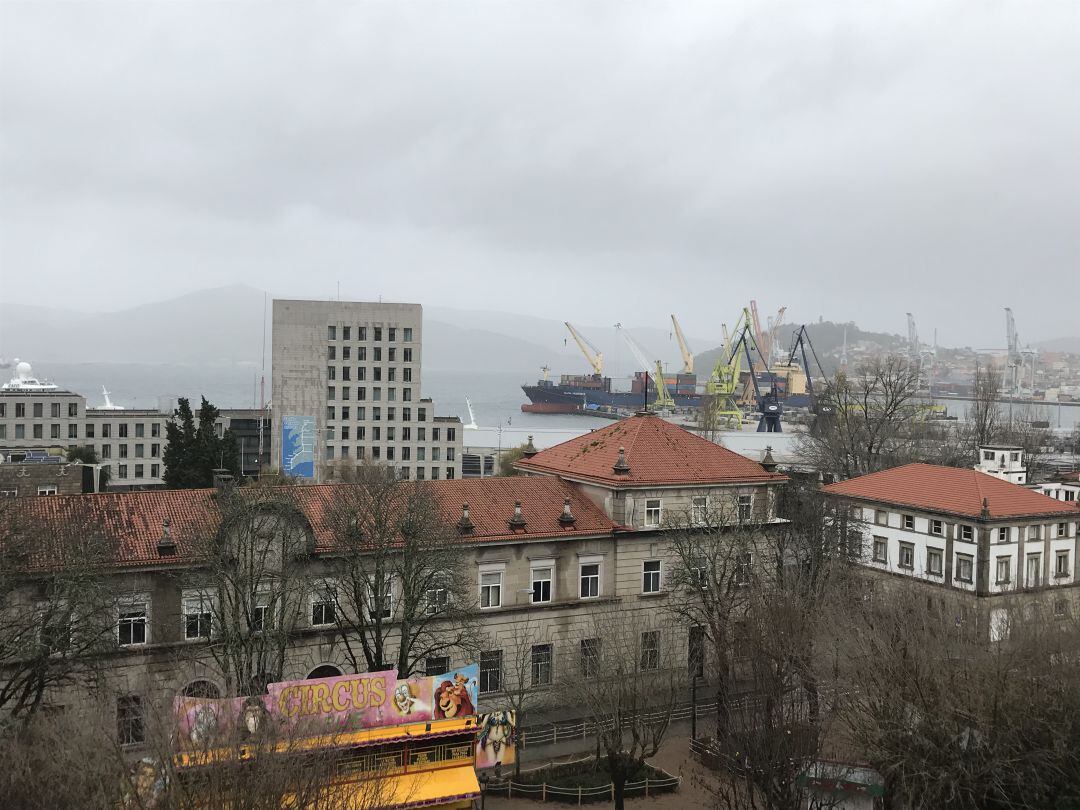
194	451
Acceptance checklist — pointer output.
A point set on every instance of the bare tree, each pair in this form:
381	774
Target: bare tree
250	583
984	414
529	672
870	415
56	610
397	575
952	720
630	683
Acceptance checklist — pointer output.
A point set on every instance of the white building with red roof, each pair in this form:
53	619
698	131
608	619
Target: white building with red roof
966	529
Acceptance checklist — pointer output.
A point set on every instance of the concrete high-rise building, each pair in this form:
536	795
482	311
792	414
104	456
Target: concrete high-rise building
346	390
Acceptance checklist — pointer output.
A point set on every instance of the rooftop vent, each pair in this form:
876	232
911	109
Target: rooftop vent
566	518
768	462
465	525
166	545
530	449
621	467
517	521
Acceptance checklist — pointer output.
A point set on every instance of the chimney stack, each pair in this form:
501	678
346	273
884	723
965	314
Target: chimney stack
166	545
530	449
566	518
465	525
518	520
223	481
621	467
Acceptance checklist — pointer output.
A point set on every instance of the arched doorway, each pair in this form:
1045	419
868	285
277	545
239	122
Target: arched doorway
201	689
325	671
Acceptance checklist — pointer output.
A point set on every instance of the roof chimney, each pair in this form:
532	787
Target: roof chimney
566	518
530	449
517	521
166	545
768	462
621	467
223	481
465	525
985	514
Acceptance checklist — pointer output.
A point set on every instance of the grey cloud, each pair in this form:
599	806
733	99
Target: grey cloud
591	161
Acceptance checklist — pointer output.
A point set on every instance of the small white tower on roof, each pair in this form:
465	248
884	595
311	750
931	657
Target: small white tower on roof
1003	461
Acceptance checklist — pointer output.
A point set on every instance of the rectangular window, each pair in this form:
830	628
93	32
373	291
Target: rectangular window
378	333
73	409
652	512
699	510
650	576
54	431
122	471
744	567
746	508
935	527
346	333
198	616
491	665
38	432
331	333
90	430
590	657
361	333
695	653
139	468
122	430
650	650
130	729
38	410
20	431
438	597
155	471
907	555
1061	564
123	451
73	431
1003	534
491	589
935	562
262	617
1061	609
54	410
967	533
909	522
106	451
1033	570
331	373
541	664
155	430
436	665
20	409
140	430
590	580
381	605
323	607
964	567
1003	570
46	489
1063	530
131	624
541	584
331	353
140	450
881	517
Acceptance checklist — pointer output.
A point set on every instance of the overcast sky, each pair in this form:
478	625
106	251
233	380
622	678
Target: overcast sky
586	161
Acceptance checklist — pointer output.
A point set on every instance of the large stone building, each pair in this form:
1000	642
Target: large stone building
347	389
580	533
1003	546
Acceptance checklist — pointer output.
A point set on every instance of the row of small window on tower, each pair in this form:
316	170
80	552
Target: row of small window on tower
543	581
345	393
37	409
376	374
378	453
964	565
376	333
966	532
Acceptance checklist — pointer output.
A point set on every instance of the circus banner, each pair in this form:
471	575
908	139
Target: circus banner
327	705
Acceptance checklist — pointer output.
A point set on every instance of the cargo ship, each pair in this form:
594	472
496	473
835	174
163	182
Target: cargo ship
582	393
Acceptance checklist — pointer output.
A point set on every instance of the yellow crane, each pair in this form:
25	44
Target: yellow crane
592	354
723	383
663	398
684	349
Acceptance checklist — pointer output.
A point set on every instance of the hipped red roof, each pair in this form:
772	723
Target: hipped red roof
954	490
131	523
658	453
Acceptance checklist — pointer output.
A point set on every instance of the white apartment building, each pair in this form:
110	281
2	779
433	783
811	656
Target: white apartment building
347	389
966	530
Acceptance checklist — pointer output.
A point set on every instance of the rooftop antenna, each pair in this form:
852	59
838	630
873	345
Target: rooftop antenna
262	385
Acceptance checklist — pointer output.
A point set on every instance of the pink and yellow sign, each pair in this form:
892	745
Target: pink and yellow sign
327	705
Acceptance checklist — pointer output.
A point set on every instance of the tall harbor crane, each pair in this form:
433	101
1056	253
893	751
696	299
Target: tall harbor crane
723	383
663	398
684	348
592	354
800	342
768	404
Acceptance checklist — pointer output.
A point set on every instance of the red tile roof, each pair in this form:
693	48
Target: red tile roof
954	490
131	522
658	452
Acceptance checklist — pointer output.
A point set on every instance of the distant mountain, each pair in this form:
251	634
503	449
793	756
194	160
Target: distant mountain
1069	345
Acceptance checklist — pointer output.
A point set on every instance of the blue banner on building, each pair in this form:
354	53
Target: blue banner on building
298	446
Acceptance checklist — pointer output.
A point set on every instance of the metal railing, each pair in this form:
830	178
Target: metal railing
555	793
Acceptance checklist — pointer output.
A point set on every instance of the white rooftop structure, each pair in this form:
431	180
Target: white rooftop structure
1003	461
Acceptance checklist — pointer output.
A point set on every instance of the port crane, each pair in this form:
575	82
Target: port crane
1017	357
723	383
684	348
800	342
663	398
592	354
768	404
